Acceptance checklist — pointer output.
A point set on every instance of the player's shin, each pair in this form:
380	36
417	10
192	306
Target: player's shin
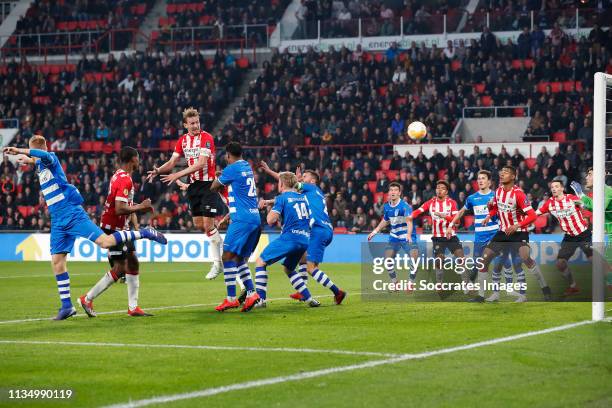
324	280
216	245
261	281
244	277
104	283
229	273
303	270
63	287
132	280
298	284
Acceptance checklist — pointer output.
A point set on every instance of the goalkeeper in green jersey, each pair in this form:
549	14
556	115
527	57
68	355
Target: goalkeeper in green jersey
588	204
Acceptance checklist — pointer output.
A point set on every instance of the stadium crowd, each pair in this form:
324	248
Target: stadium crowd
318	99
78	24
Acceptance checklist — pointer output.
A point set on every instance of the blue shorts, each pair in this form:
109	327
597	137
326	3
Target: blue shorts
320	238
281	248
242	238
65	230
396	246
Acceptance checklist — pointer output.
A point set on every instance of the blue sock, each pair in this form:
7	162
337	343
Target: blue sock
324	280
63	286
261	281
520	278
245	276
229	273
303	270
298	284
392	275
126	236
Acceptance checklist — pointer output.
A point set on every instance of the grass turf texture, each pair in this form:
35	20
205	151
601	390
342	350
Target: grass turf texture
567	368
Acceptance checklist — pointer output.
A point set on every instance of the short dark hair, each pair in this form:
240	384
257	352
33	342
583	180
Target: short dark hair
486	173
558	180
511	168
395	184
234	149
314	174
444	183
127	153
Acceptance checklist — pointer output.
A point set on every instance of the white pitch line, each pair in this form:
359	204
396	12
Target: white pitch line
50	275
42	319
201	347
334	370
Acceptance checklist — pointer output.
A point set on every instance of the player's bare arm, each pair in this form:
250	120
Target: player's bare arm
199	165
409	229
272	217
455	220
264	166
122	208
382	224
164	168
216	185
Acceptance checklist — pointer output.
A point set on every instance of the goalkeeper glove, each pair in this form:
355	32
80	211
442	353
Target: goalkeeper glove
577	188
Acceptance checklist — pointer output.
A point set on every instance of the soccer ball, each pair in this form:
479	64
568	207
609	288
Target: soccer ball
417	130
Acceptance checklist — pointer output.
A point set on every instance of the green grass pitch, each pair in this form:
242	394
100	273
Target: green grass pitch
569	368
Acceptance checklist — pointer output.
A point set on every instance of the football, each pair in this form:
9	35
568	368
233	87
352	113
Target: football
417	130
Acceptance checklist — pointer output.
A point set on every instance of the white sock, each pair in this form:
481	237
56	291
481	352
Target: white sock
216	246
482	277
239	281
133	284
104	283
535	270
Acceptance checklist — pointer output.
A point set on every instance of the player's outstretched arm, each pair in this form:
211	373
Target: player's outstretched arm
122	208
455	220
382	224
264	166
409	229
164	168
199	165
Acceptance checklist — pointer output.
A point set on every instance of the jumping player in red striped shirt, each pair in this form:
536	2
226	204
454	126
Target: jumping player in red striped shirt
515	214
566	209
198	148
442	210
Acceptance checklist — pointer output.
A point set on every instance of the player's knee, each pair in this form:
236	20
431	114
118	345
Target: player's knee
228	256
311	266
133	265
561	264
260	262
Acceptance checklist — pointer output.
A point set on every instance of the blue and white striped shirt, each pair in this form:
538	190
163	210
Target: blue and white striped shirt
477	204
396	216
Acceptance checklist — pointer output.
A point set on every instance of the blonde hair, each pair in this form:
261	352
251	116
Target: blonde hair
38	142
190	113
288	179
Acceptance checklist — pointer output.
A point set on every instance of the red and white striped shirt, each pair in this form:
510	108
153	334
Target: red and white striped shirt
446	207
191	147
121	189
567	212
512	207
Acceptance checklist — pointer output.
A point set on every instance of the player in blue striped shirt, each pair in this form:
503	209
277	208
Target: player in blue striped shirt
69	220
477	203
402	235
245	229
292	243
321	234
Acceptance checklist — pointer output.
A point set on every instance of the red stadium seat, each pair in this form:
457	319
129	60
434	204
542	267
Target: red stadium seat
242	62
376	195
55	69
479	88
378	57
518	112
541	222
455	65
530	163
87	146
474	185
468	221
392	175
117	146
24	210
372	187
97	146
379	174
268	187
578	86
266	129
340	230
107	148
385	164
399	102
529	63
516	64
559	137
382	91
542	87
164	144
568	85
487	100
346	164
556	86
